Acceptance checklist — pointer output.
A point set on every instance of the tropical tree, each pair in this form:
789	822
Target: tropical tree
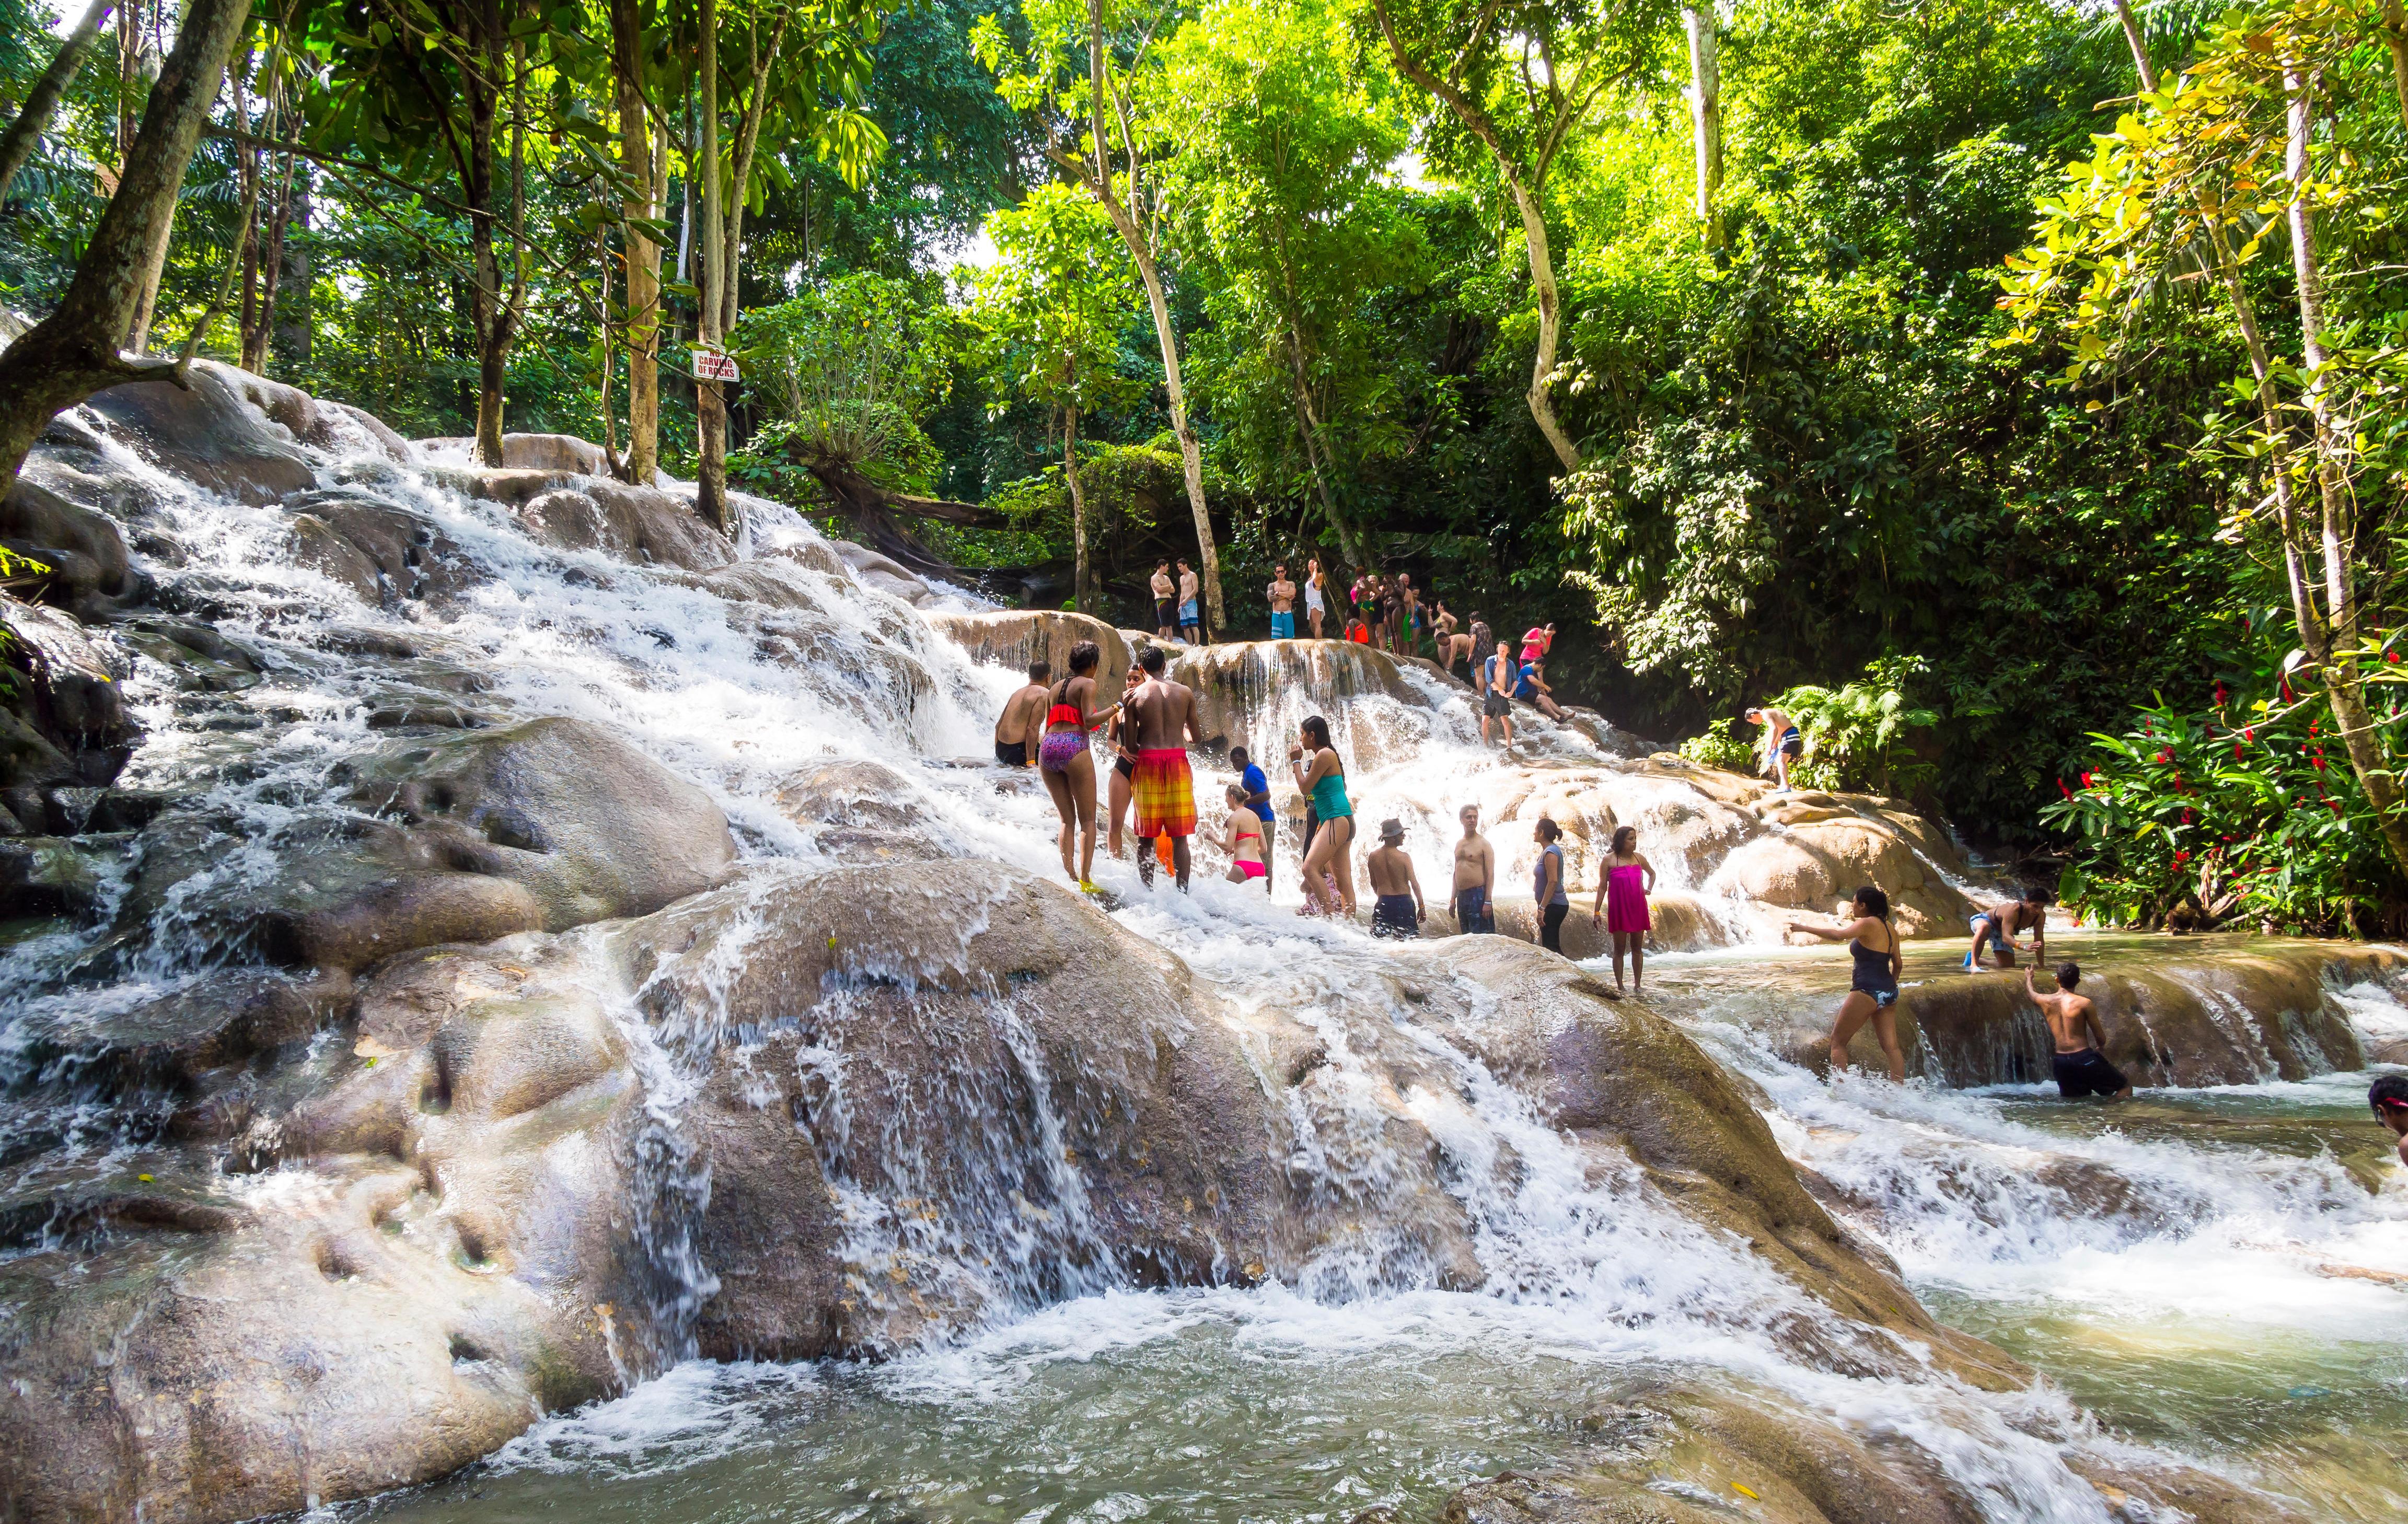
1085	74
1048	314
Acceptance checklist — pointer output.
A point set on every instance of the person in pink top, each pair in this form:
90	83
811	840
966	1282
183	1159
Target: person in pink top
1622	900
1536	643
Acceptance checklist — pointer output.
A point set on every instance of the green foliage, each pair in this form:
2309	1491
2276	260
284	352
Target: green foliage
848	373
1717	748
2242	811
1047	314
1857	736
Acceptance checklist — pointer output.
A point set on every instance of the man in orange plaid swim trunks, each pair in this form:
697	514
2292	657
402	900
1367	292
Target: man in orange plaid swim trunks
1163	789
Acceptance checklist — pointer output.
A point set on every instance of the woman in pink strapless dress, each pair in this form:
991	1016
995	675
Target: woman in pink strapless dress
1622	905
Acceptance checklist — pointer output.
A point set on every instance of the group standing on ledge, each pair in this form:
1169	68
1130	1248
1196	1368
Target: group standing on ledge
1152	723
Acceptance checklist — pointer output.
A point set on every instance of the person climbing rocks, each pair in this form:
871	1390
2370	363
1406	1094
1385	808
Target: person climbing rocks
1281	595
1497	678
1316	595
1191	611
1622	893
1165	602
1872	987
1248	858
1475	878
1123	758
1451	645
2082	1069
1555	901
1258	798
1396	909
1532	688
1996	926
1781	742
1483	643
1163	787
1067	764
1014	727
1320	778
2388	1098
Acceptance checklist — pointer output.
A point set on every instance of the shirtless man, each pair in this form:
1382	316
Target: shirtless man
1163	787
2074	1028
1191	612
1282	594
1996	926
1475	876
1409	616
1019	713
1780	743
1165	607
1499	678
1399	909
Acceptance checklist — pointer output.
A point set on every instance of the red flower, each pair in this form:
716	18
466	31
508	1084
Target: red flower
2236	751
2186	817
2249	733
2181	858
2313	727
2068	792
2391	656
2317	762
2085	780
2165	754
2220	695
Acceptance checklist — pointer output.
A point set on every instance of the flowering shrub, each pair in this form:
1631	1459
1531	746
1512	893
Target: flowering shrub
2247	812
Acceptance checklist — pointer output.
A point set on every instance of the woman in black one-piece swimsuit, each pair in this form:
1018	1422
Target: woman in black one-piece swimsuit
1872	994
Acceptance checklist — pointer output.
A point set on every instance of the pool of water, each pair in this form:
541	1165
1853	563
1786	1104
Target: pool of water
2221	1274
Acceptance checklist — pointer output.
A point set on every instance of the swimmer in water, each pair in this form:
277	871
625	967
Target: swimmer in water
1396	909
1244	839
1125	756
1320	778
1995	928
1475	878
2389	1098
2081	1068
1017	726
1872	994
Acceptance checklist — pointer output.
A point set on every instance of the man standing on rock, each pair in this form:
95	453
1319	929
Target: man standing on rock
2081	1068
1191	612
1283	599
1166	607
1163	787
1011	730
1497	680
1475	878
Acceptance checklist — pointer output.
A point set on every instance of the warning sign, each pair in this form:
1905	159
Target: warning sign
714	366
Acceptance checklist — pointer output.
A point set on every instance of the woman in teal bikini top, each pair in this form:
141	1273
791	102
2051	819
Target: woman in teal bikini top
1320	778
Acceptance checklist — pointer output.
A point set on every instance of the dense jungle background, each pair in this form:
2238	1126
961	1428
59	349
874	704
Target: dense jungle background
2063	503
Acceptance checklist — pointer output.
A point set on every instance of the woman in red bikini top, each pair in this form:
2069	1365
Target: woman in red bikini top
1067	766
1245	842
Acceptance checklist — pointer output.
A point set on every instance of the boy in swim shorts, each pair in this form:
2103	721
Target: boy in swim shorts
1398	910
2074	1031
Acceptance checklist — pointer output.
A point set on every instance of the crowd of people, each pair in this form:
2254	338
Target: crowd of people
1150	800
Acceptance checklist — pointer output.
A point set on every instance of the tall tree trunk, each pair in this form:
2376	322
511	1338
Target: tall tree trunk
257	342
17	145
2337	663
290	311
1706	116
740	181
1529	192
2395	37
2140	64
1082	581
1123	215
133	52
73	352
638	205
710	402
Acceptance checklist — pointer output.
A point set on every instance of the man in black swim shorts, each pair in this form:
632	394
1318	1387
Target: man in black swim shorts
2073	1029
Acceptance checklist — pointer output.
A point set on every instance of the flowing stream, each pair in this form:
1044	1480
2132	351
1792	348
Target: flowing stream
2212	1274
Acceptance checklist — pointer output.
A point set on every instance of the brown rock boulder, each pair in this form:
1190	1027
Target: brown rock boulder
1016	638
213	434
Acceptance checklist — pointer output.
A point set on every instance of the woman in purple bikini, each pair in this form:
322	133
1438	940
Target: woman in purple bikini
1621	898
1066	763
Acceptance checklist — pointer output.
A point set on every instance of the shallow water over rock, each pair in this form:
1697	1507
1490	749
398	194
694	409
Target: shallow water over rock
528	948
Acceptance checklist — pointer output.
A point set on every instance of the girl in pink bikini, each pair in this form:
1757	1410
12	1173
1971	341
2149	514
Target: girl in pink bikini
1245	839
1622	905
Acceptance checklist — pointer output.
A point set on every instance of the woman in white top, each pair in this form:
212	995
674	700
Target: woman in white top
1314	606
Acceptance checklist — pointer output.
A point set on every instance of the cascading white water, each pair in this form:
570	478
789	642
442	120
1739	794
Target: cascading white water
1587	1278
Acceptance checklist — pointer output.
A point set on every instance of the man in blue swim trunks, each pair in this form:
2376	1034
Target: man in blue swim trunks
1781	742
1191	613
1282	594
